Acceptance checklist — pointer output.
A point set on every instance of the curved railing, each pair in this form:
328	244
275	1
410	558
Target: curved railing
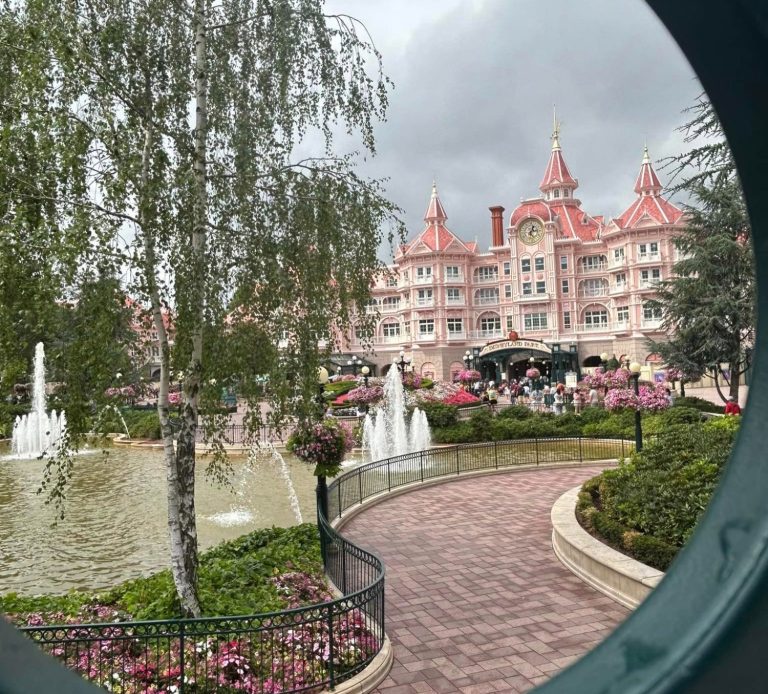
305	648
382	476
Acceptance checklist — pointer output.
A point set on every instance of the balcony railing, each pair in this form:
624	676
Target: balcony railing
428	279
596	267
594	327
622	288
648	257
593	291
617	263
649	284
453	302
387	339
425	302
651	323
454	278
541	296
390	308
482	279
621	326
425	337
457	335
486	300
486	334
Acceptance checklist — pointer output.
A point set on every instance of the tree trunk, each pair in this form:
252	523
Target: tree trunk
733	390
682	387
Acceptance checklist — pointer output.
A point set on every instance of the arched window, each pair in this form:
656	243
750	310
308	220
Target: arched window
489	325
428	370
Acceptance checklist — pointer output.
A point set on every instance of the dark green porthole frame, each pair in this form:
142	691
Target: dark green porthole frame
705	629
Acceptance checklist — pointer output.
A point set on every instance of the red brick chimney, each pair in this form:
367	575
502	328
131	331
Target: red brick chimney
497	226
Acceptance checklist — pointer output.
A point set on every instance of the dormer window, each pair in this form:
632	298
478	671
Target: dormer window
557	192
565	192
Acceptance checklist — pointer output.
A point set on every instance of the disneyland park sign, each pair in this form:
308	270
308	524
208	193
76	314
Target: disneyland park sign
511	345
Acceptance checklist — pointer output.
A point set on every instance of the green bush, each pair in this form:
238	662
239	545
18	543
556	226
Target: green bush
608	528
680	415
146	426
333	390
698	404
591	415
439	414
516	412
652	551
458	433
8	414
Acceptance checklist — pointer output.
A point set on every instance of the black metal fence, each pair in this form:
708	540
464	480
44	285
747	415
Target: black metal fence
382	476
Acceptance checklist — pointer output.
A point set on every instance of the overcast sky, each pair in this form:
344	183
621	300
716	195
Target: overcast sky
475	82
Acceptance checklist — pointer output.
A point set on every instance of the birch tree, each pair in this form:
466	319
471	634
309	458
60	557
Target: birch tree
180	123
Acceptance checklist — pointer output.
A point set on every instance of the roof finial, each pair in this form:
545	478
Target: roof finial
646	156
434	187
555	129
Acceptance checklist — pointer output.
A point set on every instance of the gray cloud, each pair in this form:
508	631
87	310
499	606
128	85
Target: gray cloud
475	84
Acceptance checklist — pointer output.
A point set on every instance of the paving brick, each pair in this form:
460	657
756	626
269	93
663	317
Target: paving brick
476	600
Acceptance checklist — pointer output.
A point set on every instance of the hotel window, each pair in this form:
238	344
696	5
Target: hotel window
565	192
567	320
618	254
648	249
593	262
541	287
407	327
391	281
621	279
487	273
535	321
490	295
360	333
525	265
538	263
565	287
507	269
563	262
427	326
452	272
391	303
651	312
557	192
423	273
490	325
507	291
391	329
455	326
510	322
595	318
453	295
425	295
527	288
622	314
649	276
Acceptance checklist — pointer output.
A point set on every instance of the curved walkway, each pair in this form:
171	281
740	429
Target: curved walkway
476	600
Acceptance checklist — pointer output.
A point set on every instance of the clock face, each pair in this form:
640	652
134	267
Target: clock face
531	231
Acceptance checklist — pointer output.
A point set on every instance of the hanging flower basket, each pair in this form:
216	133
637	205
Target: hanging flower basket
468	376
533	373
322	445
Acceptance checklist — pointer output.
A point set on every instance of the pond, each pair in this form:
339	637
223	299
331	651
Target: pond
115	524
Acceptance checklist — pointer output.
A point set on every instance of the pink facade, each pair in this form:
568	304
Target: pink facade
558	275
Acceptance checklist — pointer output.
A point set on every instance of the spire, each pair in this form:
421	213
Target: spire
557	174
435	212
555	130
647	182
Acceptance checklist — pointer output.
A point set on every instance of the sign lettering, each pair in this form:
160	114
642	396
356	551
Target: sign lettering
506	345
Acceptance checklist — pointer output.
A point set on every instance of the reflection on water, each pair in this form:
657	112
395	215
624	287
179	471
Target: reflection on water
115	526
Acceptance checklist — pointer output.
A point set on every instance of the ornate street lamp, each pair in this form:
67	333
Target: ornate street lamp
401	363
322	486
354	362
322	379
604	360
365	371
634	370
468	359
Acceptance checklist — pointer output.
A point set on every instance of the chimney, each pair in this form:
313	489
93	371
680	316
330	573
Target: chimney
497	226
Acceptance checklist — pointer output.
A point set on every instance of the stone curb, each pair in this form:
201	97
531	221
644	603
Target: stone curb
372	676
621	578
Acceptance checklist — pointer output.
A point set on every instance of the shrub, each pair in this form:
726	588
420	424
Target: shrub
652	551
458	433
440	414
590	415
610	529
698	404
8	414
516	412
145	426
680	415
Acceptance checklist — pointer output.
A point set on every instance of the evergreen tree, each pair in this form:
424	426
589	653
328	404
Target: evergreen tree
225	230
709	305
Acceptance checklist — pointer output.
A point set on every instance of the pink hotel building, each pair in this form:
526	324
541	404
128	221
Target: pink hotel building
570	285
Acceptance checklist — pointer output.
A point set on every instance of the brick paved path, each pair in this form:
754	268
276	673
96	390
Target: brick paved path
476	599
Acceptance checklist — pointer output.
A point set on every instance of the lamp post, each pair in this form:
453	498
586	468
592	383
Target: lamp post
531	365
467	360
365	371
604	360
634	370
402	362
354	362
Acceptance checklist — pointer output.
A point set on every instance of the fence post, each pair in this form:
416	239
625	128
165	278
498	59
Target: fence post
457	460
181	657
331	656
496	453
421	464
389	477
343	568
338	486
536	445
622	446
581	453
360	485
